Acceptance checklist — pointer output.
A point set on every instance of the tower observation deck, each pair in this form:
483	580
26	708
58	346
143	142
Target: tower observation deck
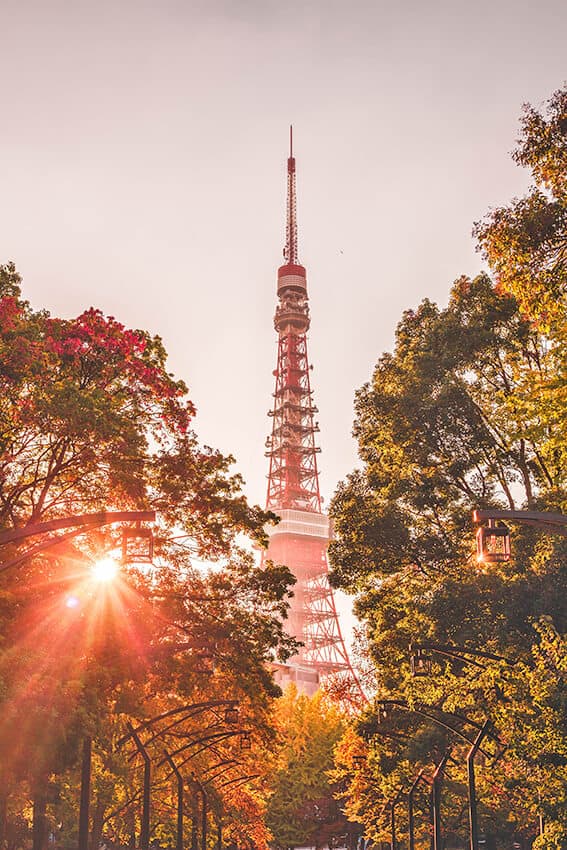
301	538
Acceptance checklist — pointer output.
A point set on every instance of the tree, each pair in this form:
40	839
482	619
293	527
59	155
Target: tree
525	244
444	426
302	809
467	412
526	241
90	419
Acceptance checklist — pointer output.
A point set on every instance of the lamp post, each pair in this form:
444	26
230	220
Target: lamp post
198	785
180	715
194	820
207	741
85	794
493	541
436	783
219	834
421	662
186	712
145	823
80	523
423	669
235	781
441	721
180	789
411	793
486	730
473	817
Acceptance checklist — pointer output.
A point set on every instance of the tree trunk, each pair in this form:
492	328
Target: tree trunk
39	821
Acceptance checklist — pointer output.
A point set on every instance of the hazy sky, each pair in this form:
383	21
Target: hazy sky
142	171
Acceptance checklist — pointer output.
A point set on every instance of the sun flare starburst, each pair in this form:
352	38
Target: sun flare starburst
105	570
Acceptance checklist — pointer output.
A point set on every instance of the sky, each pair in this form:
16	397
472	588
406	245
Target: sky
142	171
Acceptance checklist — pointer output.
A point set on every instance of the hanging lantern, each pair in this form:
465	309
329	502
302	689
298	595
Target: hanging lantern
421	663
137	545
231	715
245	742
493	543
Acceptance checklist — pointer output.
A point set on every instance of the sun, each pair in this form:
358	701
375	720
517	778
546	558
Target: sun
105	570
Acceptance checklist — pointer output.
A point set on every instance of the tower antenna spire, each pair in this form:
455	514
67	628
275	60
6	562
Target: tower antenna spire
290	250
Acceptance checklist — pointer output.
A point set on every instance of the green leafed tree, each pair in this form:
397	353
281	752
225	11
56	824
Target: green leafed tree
302	809
468	411
525	244
526	241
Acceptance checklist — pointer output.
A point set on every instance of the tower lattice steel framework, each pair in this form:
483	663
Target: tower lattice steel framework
301	538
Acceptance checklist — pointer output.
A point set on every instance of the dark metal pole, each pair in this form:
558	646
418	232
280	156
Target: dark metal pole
473	814
204	820
179	839
219	836
179	842
145	825
411	792
85	794
194	822
436	800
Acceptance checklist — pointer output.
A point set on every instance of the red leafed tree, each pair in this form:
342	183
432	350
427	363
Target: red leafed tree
91	420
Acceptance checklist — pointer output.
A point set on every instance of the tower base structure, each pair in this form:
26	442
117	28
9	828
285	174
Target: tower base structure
306	680
300	541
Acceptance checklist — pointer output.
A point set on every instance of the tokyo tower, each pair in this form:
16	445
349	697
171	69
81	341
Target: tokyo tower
301	538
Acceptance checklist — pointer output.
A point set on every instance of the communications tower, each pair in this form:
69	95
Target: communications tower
301	538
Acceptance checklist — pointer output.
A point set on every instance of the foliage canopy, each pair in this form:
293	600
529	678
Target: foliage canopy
468	412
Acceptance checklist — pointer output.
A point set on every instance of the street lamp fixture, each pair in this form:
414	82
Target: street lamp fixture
80	523
396	799
231	715
245	741
421	662
137	545
493	543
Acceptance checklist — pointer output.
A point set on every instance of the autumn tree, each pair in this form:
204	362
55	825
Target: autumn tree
90	420
302	808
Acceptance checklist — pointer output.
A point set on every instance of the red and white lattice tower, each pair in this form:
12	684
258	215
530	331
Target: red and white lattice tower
301	538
